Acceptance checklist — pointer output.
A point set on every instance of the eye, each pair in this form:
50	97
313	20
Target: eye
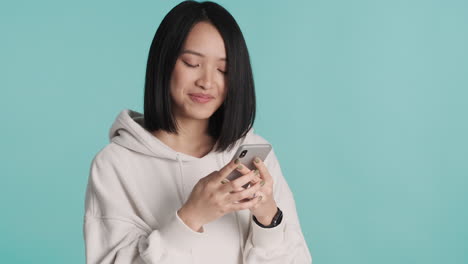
223	72
191	65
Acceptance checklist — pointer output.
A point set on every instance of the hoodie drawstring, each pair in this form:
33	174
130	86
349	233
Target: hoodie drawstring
181	174
239	228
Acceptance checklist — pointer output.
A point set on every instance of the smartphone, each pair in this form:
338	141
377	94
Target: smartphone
246	154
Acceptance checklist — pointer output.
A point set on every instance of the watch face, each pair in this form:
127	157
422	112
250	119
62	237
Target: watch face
277	218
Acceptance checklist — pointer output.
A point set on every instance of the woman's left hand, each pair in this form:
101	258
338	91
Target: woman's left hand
266	209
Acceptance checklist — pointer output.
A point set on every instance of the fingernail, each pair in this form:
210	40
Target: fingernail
257	160
236	161
239	167
224	181
262	183
260	198
256	172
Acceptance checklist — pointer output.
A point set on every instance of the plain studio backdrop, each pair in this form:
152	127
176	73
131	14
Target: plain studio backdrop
365	103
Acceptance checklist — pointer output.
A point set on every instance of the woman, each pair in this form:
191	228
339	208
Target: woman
158	192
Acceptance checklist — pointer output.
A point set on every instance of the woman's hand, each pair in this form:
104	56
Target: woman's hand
266	208
214	196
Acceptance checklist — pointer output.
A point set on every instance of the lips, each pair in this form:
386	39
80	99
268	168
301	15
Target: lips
201	98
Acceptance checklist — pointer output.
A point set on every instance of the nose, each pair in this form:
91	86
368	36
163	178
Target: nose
205	80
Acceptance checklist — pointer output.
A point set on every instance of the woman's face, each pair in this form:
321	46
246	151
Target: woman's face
198	81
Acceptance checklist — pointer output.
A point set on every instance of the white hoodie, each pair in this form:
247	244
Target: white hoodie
137	184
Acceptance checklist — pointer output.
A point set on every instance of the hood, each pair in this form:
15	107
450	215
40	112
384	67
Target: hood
128	131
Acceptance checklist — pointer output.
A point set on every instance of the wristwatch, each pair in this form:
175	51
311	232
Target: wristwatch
274	222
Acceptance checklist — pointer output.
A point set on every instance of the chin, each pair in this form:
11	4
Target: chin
199	114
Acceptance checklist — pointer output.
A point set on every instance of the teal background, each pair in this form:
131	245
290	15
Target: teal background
365	103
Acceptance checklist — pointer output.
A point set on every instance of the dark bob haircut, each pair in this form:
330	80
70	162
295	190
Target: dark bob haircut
235	117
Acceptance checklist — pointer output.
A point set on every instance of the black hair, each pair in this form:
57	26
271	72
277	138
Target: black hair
235	117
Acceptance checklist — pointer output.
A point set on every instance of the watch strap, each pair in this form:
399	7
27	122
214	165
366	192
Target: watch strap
275	221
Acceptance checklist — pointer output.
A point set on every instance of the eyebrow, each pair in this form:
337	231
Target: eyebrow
198	54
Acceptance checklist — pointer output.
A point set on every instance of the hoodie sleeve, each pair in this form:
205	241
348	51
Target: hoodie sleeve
113	234
285	243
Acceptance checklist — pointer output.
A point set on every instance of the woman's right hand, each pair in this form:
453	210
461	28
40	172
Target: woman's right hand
214	196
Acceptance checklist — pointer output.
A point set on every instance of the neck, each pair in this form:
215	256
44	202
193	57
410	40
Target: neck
192	137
